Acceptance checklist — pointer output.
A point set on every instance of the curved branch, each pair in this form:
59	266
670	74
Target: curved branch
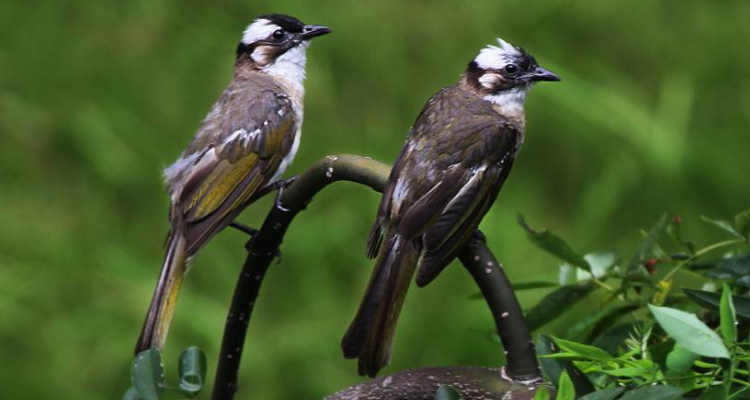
265	244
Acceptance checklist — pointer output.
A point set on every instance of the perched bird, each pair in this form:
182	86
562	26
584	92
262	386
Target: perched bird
456	157
242	148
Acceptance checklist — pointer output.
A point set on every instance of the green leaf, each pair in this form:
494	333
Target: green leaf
653	393
542	393
446	392
131	394
687	330
192	370
553	368
601	262
734	267
556	303
711	301
726	226
601	316
646	247
728	315
148	374
680	360
715	393
565	389
590	352
554	245
742	223
628	372
613	339
606	394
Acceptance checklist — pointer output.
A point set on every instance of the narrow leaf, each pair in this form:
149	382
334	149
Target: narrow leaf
192	370
554	245
446	392
726	226
711	301
148	374
590	352
646	247
553	368
653	393
742	223
728	315
606	394
565	389
542	393
734	267
556	303
687	330
606	314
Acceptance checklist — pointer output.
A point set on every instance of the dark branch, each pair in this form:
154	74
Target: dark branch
265	244
502	301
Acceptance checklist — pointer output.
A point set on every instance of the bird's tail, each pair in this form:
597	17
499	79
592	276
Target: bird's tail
154	331
370	334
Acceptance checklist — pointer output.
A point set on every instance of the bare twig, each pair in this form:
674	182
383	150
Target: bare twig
265	244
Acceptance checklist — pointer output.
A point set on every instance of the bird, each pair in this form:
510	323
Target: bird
241	150
456	157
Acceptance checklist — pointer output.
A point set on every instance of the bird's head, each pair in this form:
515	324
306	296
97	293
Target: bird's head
278	40
506	67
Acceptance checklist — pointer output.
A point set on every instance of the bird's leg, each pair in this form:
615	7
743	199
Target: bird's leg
243	228
280	186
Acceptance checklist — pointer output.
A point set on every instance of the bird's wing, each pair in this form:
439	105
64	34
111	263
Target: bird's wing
461	216
242	156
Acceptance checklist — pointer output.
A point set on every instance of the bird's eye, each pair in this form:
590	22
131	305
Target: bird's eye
511	68
278	34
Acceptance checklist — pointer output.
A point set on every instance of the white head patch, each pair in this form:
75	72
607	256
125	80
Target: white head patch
258	30
494	57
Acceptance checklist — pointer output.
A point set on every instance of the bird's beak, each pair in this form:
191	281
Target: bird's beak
541	74
311	31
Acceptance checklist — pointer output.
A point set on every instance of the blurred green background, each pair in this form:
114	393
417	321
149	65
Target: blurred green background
96	98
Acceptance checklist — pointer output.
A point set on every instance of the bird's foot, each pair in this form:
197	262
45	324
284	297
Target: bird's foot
281	186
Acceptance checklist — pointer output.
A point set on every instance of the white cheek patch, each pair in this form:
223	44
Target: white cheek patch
494	57
258	30
262	55
490	80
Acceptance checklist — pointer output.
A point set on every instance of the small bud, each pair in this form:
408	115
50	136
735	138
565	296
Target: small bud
677	220
649	265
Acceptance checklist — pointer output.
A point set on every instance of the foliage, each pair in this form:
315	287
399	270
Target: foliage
665	352
149	380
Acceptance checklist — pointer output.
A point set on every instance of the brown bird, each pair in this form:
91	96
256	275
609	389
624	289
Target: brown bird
242	148
455	160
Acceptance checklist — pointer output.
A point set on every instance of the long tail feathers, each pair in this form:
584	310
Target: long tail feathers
370	334
161	310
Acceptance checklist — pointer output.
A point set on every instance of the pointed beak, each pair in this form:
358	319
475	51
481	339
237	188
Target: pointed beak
541	74
311	31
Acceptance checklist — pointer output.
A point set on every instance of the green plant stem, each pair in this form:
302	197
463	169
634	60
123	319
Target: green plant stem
700	253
